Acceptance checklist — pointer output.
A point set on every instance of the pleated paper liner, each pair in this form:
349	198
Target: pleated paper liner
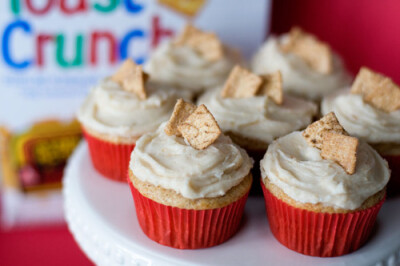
109	159
185	228
319	234
393	187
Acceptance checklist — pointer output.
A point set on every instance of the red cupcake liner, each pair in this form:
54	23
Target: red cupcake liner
110	159
185	228
393	187
319	234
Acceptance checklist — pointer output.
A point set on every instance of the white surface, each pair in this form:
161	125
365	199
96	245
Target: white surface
20	209
101	216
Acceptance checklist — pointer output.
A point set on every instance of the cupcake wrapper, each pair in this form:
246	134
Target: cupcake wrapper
319	234
187	229
110	159
393	186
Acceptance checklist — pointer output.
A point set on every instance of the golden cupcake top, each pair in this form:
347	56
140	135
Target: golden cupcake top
377	90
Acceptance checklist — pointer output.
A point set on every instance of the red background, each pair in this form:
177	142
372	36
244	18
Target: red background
363	32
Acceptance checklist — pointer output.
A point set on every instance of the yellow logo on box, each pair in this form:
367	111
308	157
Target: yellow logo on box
35	159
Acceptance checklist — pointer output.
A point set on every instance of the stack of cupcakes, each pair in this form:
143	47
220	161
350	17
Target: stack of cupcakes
190	175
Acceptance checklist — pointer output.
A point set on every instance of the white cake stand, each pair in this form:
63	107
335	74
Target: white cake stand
101	216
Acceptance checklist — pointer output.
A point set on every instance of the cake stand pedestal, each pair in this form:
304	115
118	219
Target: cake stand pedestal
101	215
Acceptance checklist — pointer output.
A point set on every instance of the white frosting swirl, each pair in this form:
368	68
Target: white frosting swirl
183	67
298	169
169	162
111	110
361	119
298	77
259	117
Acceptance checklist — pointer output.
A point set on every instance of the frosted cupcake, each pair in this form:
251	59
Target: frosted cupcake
117	112
253	110
309	67
193	61
189	182
324	187
370	110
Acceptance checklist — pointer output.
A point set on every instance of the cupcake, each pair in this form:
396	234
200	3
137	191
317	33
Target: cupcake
309	67
370	110
323	189
117	112
189	182
193	61
253	110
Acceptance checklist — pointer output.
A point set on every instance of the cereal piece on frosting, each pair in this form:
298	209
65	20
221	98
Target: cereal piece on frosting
272	87
314	133
206	44
241	83
200	129
181	111
377	90
315	53
333	141
340	149
132	78
196	124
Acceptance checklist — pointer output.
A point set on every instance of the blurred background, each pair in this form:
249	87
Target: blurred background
363	32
